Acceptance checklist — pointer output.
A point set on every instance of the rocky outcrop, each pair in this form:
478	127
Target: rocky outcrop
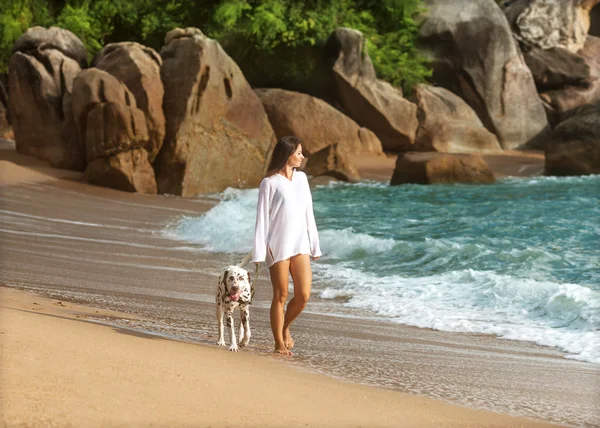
371	102
334	161
572	94
41	73
129	171
573	147
564	60
5	128
447	124
138	67
471	49
38	39
369	142
317	123
217	132
551	24
438	168
595	21
556	67
114	132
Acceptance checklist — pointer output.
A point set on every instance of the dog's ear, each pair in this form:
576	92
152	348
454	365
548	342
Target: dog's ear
225	276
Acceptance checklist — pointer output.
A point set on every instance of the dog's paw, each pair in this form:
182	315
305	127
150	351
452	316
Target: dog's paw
244	342
233	348
221	342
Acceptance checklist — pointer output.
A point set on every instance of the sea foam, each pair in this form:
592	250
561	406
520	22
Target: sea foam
229	228
565	316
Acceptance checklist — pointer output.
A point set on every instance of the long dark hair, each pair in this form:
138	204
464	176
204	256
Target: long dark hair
284	148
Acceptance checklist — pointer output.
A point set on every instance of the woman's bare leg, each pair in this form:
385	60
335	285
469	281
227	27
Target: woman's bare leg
280	272
302	277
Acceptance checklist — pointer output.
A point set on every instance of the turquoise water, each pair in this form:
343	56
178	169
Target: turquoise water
519	259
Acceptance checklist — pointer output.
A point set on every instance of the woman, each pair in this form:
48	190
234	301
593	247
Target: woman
285	236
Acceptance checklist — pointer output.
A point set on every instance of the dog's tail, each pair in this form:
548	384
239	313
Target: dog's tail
245	260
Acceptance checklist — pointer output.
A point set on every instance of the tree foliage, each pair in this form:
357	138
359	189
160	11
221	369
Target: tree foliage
280	34
16	16
276	42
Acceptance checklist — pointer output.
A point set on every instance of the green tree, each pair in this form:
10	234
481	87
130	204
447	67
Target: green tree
98	22
275	42
271	38
16	16
95	22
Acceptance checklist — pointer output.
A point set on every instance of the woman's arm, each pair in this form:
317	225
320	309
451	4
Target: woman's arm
261	229
313	235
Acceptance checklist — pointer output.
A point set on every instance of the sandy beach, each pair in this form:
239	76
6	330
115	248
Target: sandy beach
106	322
58	369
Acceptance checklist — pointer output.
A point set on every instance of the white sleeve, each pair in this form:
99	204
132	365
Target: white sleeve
313	235
261	229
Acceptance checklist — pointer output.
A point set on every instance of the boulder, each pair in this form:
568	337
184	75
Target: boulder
595	21
573	147
471	49
333	161
129	171
550	24
114	131
371	102
112	128
570	96
556	67
40	83
106	115
217	132
369	142
564	60
317	123
38	39
138	67
437	168
447	124
5	128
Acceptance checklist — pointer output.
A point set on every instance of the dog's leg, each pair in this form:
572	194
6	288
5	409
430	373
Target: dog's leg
229	315
242	332
221	341
245	326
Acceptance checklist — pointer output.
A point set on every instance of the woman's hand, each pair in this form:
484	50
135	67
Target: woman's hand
316	258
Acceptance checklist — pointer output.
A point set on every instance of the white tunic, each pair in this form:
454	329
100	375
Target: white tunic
285	222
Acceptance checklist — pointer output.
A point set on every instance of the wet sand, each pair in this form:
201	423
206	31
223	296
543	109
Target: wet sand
80	244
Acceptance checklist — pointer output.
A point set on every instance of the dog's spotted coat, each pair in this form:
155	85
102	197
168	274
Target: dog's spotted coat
234	291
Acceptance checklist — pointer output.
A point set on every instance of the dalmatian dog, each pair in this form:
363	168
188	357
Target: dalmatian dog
234	291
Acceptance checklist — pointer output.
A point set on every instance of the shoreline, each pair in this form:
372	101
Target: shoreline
17	168
72	378
509	163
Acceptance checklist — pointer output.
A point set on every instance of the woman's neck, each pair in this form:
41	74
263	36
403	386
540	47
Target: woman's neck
287	172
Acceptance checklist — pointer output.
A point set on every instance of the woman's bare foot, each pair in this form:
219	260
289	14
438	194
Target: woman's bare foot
287	339
283	350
